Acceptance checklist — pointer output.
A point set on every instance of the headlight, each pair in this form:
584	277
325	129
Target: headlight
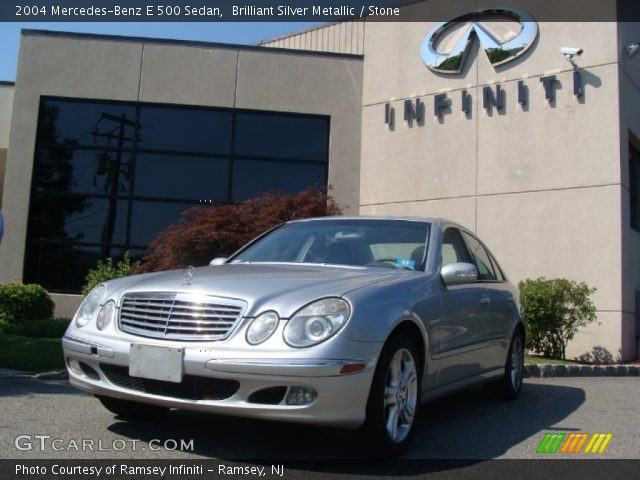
89	306
262	327
316	322
106	314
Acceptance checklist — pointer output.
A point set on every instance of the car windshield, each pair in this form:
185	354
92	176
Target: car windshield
398	244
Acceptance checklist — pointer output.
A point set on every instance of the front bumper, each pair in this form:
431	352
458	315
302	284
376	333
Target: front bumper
341	398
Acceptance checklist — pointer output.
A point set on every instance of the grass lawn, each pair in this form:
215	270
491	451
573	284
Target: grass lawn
532	360
31	354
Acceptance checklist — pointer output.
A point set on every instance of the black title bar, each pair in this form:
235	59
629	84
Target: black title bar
195	469
303	10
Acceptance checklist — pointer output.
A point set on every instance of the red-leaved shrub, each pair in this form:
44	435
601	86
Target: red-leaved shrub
207	232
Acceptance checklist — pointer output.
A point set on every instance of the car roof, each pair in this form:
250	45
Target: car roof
434	220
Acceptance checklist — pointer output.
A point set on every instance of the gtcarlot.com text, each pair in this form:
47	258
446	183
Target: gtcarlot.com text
48	443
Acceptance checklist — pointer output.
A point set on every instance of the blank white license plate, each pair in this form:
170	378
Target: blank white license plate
157	363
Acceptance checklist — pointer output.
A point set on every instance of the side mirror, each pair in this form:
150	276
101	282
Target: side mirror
218	261
459	273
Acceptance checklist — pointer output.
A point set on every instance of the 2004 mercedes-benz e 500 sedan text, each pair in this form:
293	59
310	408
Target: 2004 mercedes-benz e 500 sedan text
338	321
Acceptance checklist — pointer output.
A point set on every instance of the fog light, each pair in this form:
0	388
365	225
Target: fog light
301	396
74	366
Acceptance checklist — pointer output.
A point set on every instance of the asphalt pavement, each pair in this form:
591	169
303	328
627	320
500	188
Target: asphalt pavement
468	425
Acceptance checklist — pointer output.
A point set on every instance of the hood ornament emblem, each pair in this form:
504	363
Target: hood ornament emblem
188	275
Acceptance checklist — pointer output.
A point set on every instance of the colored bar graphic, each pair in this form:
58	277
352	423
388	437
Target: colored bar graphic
598	443
573	443
568	442
550	443
581	443
607	439
543	444
591	442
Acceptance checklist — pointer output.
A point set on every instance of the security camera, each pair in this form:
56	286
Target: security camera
570	52
631	50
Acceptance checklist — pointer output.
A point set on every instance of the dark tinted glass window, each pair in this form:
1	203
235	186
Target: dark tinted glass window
185	129
481	258
148	219
64	267
634	186
108	177
87	123
182	177
63	170
136	254
79	219
251	177
281	136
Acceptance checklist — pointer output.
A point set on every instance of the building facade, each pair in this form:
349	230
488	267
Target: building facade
6	107
537	153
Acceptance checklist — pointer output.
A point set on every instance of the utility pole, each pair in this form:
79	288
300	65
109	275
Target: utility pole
113	174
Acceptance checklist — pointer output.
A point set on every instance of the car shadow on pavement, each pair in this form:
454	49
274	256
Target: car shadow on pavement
467	425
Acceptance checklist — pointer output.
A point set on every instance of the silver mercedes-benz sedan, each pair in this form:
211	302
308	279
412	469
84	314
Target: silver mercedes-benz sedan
348	322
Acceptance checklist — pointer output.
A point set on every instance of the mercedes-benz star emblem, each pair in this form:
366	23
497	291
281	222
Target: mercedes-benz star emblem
504	34
188	274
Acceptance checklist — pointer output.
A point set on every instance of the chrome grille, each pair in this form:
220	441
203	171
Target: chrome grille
179	315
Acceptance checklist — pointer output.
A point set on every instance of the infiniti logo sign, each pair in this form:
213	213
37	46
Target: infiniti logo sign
504	34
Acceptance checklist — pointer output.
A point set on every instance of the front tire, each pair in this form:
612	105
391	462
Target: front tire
394	398
132	410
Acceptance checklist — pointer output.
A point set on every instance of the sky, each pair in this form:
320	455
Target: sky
224	32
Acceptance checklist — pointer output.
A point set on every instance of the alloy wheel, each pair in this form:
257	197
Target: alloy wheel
401	395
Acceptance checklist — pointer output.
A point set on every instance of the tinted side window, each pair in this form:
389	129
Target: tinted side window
480	257
453	248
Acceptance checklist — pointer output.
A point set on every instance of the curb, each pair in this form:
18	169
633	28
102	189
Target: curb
57	375
548	371
6	373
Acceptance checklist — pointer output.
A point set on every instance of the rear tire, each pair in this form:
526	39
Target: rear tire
394	399
509	386
132	410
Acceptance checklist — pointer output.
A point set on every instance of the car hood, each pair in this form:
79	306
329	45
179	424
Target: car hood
280	287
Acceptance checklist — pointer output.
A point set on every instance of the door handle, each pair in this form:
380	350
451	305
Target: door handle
485	301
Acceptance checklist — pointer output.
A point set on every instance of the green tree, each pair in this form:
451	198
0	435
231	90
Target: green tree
554	310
